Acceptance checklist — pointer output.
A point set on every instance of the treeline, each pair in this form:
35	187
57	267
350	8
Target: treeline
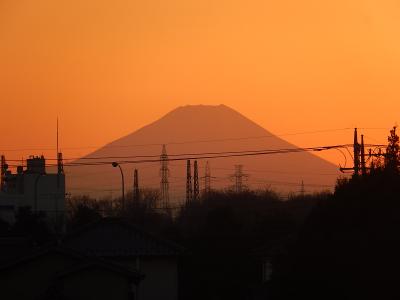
225	234
349	246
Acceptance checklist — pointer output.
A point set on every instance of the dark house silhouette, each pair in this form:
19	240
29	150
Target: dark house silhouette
122	243
57	273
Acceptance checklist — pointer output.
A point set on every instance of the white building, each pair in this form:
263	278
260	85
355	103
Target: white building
33	187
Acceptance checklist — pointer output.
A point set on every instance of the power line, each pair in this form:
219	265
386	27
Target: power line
278	172
208	155
291	183
224	154
183	142
78	160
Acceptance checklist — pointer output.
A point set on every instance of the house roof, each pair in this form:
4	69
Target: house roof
80	262
101	264
52	265
73	255
113	237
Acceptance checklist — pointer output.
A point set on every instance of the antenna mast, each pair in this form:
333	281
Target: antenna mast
356	150
57	138
60	165
3	172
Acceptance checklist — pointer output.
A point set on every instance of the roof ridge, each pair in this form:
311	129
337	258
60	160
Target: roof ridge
171	246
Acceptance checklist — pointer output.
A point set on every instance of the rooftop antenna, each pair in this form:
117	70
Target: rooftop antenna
57	138
60	167
356	150
3	171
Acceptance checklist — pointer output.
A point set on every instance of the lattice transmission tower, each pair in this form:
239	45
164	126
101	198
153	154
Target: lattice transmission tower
189	187
196	187
239	177
207	179
164	173
136	191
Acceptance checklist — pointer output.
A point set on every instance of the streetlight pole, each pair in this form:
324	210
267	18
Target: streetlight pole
115	164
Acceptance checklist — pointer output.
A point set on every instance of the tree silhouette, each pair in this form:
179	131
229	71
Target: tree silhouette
33	225
392	157
348	247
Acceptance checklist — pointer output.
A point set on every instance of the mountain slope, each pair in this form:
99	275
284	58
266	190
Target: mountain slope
199	129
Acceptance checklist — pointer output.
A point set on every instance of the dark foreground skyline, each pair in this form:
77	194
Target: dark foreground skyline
331	245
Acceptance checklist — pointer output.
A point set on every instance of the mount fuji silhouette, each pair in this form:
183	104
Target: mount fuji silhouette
201	129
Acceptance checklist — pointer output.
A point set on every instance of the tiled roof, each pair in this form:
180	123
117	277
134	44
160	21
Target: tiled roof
111	237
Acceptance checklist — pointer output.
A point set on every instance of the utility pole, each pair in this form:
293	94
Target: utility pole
189	188
116	164
356	150
356	156
60	164
164	172
362	151
3	172
207	179
135	186
57	147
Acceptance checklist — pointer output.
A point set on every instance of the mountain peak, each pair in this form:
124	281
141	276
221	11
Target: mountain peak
209	129
202	108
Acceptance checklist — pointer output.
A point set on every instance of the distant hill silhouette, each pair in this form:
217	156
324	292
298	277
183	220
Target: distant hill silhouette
197	129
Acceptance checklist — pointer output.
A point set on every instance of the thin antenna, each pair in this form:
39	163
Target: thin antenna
362	150
3	172
356	150
60	164
57	138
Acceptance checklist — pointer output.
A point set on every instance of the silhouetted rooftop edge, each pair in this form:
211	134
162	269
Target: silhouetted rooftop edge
165	247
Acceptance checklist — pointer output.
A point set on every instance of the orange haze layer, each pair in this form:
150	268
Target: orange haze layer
106	68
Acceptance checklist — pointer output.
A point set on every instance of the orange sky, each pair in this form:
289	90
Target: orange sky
107	67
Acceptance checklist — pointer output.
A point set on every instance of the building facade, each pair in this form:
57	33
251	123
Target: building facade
31	186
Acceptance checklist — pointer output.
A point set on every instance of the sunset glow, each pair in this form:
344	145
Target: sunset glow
107	68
